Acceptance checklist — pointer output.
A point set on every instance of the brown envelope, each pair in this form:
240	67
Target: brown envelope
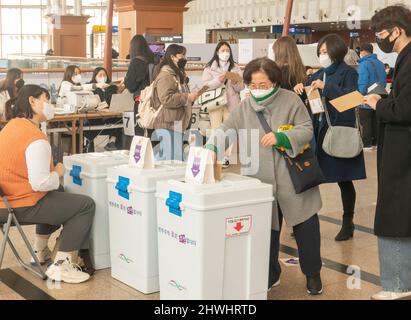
233	76
348	101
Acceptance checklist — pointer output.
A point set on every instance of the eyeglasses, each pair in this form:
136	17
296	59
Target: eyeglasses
262	86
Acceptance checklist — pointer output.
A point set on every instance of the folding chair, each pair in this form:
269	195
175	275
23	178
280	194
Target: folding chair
5	229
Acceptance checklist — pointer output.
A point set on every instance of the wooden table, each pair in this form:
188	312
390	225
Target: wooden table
76	125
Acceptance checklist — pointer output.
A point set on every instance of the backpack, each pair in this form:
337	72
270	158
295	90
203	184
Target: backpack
147	113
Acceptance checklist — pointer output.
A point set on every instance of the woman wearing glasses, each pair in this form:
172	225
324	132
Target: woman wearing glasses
280	108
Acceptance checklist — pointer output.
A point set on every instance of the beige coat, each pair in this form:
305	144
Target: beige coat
173	96
4	97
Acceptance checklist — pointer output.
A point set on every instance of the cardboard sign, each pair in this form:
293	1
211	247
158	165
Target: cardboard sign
234	77
200	167
348	101
314	98
238	225
129	124
141	153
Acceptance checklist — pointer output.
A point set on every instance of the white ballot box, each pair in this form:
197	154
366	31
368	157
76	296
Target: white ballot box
86	174
214	239
133	222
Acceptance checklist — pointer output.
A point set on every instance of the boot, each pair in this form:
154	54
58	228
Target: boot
347	229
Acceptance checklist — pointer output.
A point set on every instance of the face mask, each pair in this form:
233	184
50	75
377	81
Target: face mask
19	84
48	111
76	79
224	56
261	93
325	60
102	80
182	63
386	45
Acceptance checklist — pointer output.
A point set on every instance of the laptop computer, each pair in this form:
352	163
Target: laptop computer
122	102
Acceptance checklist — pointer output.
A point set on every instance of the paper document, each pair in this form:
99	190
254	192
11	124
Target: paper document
348	101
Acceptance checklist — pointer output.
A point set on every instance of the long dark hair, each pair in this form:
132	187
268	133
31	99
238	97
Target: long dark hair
95	73
19	106
9	83
69	73
173	50
216	58
139	49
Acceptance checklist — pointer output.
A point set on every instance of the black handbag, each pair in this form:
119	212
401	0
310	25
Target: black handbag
305	171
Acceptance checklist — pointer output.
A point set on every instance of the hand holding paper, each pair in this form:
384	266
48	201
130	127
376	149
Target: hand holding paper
348	101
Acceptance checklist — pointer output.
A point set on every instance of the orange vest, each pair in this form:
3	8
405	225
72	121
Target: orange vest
16	136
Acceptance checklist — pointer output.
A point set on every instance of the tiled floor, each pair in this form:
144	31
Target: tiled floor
362	251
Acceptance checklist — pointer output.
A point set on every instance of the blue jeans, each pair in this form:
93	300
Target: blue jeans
395	264
170	146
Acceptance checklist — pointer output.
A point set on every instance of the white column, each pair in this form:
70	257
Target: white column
77	8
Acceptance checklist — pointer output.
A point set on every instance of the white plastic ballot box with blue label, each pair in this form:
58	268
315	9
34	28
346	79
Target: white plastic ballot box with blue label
133	222
86	174
214	239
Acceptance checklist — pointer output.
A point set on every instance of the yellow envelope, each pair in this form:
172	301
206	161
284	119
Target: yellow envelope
348	101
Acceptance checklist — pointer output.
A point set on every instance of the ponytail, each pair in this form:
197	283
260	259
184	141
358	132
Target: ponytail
9	108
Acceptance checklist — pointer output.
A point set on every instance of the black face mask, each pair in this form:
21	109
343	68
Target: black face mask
386	45
182	63
19	84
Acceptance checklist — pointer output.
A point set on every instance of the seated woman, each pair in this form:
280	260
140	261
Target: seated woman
30	182
72	82
280	108
100	76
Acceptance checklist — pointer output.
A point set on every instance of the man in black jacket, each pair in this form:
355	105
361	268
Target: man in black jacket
393	214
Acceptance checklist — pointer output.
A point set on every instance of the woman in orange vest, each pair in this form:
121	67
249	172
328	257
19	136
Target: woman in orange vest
30	182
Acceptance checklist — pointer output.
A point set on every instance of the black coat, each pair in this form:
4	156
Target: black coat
342	81
393	215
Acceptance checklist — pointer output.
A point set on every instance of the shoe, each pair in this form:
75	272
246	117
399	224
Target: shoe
110	146
387	295
44	256
275	285
347	229
314	285
84	261
66	272
225	163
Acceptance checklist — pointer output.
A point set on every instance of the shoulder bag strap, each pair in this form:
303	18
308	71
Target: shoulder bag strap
327	115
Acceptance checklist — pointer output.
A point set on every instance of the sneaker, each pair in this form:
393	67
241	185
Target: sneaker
387	295
225	163
275	285
110	146
66	272
44	256
314	285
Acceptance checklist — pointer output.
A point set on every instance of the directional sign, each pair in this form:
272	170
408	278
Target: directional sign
238	225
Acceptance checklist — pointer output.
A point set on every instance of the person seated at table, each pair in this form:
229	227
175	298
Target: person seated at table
31	184
72	82
9	88
100	75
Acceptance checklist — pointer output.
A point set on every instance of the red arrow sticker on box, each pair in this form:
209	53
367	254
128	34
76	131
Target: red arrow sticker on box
238	225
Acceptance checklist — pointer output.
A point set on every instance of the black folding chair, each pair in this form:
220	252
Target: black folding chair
5	229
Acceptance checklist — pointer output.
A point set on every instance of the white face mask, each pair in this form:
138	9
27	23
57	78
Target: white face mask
76	79
102	80
48	111
261	93
224	56
325	60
